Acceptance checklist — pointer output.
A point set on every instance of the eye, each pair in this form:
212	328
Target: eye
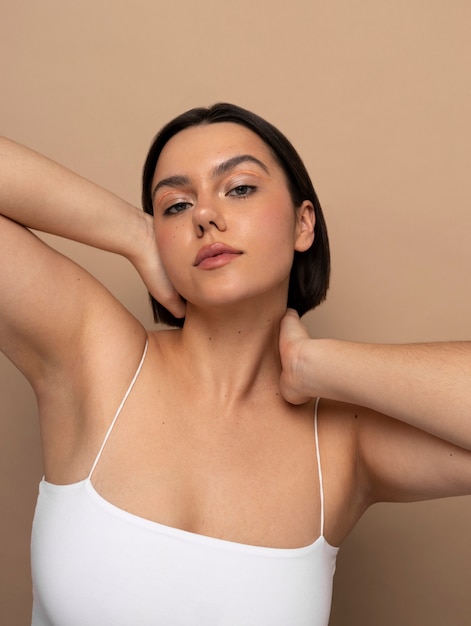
242	191
178	207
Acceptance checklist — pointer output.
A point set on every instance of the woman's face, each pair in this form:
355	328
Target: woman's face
225	223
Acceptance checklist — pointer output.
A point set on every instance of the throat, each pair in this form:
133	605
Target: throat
231	360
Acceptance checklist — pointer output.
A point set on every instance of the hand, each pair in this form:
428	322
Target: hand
152	272
293	341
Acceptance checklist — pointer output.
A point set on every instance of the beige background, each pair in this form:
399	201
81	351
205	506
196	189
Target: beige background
376	95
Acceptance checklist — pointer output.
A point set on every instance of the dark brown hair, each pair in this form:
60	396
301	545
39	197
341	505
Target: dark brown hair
309	278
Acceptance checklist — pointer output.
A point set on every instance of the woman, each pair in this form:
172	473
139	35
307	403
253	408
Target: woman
191	476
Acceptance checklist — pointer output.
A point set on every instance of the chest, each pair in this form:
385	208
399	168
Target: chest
250	477
154	574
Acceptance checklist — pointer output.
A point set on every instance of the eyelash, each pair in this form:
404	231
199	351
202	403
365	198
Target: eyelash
248	190
176	208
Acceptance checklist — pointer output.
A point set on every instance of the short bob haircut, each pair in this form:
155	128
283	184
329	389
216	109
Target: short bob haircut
309	278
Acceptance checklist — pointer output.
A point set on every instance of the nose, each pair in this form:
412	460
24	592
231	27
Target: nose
207	215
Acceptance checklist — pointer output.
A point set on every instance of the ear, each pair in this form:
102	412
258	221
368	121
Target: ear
305	222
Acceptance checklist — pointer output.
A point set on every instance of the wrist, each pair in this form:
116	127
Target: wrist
139	238
321	368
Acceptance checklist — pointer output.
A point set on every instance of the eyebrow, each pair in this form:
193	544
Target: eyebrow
228	165
219	170
171	181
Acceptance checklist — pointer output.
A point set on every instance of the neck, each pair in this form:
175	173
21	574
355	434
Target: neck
233	351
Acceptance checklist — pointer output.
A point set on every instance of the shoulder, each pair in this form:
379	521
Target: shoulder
76	402
338	429
345	497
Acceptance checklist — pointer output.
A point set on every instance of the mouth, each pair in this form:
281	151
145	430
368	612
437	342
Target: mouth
215	254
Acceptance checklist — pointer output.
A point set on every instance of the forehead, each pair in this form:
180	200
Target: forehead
209	144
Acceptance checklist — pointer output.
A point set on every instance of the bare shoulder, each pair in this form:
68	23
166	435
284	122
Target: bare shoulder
345	499
76	404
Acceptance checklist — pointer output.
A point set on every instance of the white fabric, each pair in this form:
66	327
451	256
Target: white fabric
94	564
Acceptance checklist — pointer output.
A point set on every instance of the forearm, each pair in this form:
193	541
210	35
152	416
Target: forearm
43	195
425	385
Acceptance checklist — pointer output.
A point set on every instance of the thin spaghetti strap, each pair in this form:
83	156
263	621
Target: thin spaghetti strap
319	467
128	391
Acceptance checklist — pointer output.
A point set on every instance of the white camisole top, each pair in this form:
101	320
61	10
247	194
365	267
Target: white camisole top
94	564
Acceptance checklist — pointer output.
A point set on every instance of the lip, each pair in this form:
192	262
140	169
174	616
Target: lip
214	251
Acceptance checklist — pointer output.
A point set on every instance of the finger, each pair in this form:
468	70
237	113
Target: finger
289	319
169	298
176	306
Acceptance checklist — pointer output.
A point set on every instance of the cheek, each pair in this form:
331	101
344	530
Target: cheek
171	249
278	229
273	245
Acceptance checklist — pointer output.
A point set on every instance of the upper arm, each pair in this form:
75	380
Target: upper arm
49	306
402	463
